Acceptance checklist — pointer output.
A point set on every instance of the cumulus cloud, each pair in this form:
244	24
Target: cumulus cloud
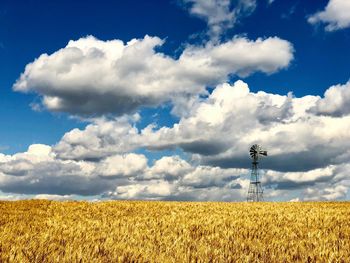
306	150
329	183
162	190
169	178
122	165
44	173
292	180
219	129
169	168
172	178
336	101
126	176
239	56
232	118
21	163
328	193
336	15
94	77
157	189
102	138
207	176
219	15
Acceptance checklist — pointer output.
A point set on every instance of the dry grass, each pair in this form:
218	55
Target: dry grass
46	231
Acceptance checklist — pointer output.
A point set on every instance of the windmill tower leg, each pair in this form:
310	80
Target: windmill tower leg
255	192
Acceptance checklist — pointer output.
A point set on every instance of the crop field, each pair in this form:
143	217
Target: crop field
140	231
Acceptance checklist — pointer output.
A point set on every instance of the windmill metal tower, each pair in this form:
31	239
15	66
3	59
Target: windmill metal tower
255	192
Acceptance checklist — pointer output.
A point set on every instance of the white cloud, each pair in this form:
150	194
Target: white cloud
20	163
169	178
162	190
239	55
147	190
294	200
336	15
306	150
122	165
40	150
103	137
172	178
168	167
219	15
93	77
53	197
291	180
207	176
124	176
336	101
218	131
328	193
38	171
11	197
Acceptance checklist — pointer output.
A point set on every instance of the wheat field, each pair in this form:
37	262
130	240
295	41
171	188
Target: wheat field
140	231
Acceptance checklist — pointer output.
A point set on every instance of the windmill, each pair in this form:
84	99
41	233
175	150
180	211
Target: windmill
255	192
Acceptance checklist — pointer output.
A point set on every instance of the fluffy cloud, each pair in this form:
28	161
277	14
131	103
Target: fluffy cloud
336	101
329	183
122	165
336	15
39	171
232	118
103	137
240	56
93	77
163	190
207	176
169	178
292	180
169	168
219	15
21	163
126	176
308	148
194	185
157	189
328	193
218	131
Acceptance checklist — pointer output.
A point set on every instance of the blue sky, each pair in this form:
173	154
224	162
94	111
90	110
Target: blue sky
275	47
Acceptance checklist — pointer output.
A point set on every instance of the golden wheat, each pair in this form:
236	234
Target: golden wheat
124	231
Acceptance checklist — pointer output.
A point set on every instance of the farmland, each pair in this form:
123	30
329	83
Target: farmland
124	231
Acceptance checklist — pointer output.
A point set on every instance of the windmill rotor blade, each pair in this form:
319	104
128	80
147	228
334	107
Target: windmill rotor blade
254	151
